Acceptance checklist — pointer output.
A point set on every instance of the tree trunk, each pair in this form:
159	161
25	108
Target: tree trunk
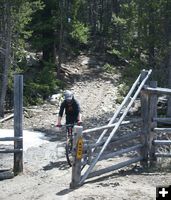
60	40
6	64
169	84
151	37
167	28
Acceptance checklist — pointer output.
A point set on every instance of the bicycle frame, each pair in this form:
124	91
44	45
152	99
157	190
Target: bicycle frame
69	131
69	144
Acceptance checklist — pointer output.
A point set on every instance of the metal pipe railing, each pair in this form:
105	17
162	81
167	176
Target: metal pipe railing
110	126
121	106
118	140
122	151
116	127
115	167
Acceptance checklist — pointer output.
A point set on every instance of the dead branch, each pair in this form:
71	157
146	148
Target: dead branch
7	118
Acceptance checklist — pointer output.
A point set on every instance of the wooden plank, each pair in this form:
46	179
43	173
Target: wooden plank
164	120
158	90
164	155
11	138
166	130
162	142
115	167
11	151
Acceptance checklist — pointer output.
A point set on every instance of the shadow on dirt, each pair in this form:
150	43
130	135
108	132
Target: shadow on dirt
136	170
64	192
61	165
53	135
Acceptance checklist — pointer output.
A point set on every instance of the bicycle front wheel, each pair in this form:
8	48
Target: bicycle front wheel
68	150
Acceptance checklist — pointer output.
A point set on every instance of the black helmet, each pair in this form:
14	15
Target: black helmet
68	95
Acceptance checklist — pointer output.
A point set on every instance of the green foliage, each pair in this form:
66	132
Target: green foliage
109	68
42	84
44	21
21	16
118	21
129	74
122	91
75	9
80	32
115	52
132	71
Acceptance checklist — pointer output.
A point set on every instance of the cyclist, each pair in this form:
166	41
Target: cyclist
72	110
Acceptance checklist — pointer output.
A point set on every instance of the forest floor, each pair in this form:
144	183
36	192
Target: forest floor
46	173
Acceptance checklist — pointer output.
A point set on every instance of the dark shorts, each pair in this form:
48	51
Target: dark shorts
71	119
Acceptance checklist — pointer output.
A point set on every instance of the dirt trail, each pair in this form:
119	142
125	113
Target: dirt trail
46	173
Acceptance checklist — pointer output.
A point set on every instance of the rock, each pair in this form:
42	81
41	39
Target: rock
55	99
85	61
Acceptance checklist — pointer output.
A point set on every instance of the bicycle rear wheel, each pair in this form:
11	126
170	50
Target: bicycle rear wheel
68	151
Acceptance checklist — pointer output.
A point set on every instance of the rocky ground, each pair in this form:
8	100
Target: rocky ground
46	173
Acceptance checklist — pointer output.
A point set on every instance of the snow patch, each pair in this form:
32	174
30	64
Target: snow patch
30	138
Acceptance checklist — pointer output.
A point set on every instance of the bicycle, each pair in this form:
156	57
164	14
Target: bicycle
69	146
69	143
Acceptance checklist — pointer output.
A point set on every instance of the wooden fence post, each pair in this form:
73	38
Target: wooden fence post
145	123
77	156
149	111
145	127
18	123
152	114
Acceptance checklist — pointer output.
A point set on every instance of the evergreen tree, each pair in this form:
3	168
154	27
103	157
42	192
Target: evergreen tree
15	15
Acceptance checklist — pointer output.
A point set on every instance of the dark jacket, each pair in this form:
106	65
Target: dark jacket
71	110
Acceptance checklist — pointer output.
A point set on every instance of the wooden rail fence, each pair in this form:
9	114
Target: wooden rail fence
152	92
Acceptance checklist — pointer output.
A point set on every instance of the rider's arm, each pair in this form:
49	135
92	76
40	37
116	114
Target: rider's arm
61	113
78	110
79	117
59	121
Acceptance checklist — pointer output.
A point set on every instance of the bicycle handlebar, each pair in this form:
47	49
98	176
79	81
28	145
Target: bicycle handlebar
69	125
65	125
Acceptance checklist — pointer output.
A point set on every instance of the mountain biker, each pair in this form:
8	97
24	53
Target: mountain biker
72	110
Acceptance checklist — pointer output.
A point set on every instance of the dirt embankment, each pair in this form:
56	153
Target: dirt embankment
46	173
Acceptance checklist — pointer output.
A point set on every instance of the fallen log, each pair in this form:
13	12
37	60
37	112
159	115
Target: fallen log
6	175
7	118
